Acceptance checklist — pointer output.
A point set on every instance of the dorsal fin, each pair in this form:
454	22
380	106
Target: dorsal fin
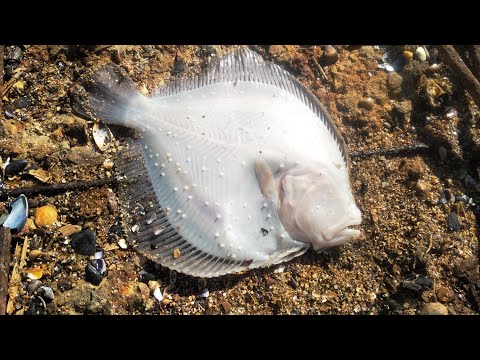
245	65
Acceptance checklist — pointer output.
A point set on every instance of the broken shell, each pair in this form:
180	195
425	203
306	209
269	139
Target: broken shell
41	175
94	271
330	55
14	167
102	136
157	293
98	255
18	216
70	229
435	67
34	274
203	294
46	293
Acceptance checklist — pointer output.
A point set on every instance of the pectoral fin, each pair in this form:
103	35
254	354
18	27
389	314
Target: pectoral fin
265	179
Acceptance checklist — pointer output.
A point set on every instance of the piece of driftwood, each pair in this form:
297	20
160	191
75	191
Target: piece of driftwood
2	54
5	241
76	185
455	62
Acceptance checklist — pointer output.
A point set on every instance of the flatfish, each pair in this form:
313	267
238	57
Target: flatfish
236	168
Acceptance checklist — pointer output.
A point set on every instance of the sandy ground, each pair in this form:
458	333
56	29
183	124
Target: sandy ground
408	257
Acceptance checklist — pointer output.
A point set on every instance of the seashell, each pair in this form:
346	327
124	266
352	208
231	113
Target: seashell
18	215
34	273
421	53
102	136
42	175
94	271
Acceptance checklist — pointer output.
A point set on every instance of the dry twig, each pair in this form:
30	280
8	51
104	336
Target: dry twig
468	80
5	241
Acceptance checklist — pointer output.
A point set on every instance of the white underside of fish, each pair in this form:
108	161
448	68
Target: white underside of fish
243	168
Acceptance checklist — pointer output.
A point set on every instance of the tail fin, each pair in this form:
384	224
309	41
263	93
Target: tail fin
104	94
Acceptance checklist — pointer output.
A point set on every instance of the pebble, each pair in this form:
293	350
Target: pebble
394	85
84	242
443	294
21	102
330	55
470	182
421	54
408	55
34	254
366	103
442	152
45	216
453	222
46	293
117	56
33	286
226	306
434	308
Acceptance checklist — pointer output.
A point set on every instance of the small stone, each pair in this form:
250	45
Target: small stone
394	85
33	286
434	308
64	285
45	216
453	222
226	306
21	102
408	55
117	56
367	103
470	182
385	184
34	254
442	152
176	253
421	188
84	242
444	294
330	55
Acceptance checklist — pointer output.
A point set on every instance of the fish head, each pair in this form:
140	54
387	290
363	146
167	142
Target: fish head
314	207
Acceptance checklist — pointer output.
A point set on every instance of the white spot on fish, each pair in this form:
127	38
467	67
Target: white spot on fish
162	174
204	168
175	189
186	187
206	203
189	197
221	174
218	216
156	164
184	216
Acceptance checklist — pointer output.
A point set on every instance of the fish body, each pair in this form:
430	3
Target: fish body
245	166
